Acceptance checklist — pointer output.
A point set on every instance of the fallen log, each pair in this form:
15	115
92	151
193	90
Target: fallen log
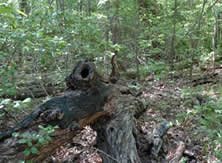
81	105
87	101
35	86
206	79
34	91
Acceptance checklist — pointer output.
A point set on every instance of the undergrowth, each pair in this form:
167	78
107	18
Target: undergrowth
206	109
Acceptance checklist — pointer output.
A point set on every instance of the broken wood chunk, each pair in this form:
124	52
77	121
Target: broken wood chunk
157	136
174	157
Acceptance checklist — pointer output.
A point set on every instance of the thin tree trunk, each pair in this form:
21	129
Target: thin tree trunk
115	25
195	42
216	37
24	7
80	6
107	31
89	7
173	38
214	42
60	6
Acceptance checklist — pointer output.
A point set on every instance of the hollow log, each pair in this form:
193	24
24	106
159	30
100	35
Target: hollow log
81	105
83	76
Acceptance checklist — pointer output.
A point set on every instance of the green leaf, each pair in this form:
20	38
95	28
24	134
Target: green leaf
15	134
5	9
34	150
27	100
22	141
41	140
29	143
27	152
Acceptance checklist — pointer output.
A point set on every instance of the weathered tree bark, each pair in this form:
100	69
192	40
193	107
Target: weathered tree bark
119	138
83	76
116	135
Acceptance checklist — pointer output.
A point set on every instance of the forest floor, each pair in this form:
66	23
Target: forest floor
167	99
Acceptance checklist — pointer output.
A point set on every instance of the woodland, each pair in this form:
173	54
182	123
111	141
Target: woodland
111	81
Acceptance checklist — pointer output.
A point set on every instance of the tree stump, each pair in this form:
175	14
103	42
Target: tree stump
116	134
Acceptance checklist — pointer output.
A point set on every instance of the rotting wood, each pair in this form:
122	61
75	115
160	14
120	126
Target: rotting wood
157	136
83	76
109	109
115	135
177	155
81	105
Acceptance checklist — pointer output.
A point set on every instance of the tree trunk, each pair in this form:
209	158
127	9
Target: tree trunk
195	42
173	38
115	25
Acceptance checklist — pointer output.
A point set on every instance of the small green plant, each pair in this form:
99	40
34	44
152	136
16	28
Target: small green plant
14	106
7	79
34	140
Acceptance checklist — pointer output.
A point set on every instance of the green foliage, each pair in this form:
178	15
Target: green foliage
15	106
211	123
157	68
34	140
208	115
51	38
7	79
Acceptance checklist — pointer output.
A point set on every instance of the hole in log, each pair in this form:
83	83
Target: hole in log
111	129
85	72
